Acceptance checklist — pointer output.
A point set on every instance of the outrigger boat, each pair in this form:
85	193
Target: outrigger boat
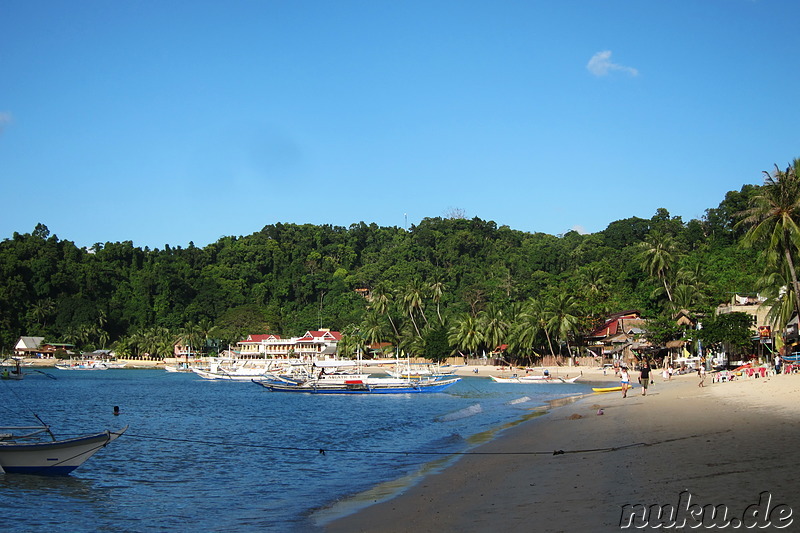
22	454
11	369
359	385
534	379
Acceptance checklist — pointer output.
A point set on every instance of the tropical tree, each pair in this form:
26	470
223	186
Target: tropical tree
437	290
778	290
493	325
465	334
658	254
772	219
380	300
527	330
534	320
372	328
42	309
412	300
561	315
732	330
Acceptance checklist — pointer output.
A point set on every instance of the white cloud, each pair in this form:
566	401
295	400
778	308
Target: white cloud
580	229
600	65
5	118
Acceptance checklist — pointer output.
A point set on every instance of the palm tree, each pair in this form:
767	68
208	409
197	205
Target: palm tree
561	317
372	328
780	297
412	298
42	309
593	284
686	297
773	219
493	325
533	321
465	334
437	290
658	253
380	301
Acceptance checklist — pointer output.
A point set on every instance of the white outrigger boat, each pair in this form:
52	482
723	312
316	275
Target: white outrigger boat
23	454
355	384
345	377
233	369
535	379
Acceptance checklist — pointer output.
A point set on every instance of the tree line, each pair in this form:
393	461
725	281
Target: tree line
447	285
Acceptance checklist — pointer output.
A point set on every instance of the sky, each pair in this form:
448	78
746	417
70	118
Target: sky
169	122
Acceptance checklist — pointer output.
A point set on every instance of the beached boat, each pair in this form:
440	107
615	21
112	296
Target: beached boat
535	379
23	454
239	370
179	367
419	371
83	365
364	385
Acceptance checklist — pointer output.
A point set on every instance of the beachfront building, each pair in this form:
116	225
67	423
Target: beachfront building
36	347
616	340
753	305
313	344
748	304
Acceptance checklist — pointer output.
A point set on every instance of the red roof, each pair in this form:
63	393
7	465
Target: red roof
611	326
321	335
259	338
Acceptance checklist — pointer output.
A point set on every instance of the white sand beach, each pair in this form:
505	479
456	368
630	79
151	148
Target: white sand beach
723	444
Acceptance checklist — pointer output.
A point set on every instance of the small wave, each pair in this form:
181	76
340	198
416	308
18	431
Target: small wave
466	412
519	400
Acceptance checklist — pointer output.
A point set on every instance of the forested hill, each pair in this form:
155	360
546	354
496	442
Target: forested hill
395	283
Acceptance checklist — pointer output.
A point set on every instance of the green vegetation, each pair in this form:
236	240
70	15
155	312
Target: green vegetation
446	285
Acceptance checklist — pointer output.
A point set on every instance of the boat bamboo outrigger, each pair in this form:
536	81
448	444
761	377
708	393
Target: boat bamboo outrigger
24	454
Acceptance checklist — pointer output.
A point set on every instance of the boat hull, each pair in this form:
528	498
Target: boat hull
535	379
53	458
361	387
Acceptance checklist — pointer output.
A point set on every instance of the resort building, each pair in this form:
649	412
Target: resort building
751	305
313	344
36	347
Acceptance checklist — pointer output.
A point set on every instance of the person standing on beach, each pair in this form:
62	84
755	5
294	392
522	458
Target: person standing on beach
626	381
701	371
644	377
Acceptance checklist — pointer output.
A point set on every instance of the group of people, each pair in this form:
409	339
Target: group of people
644	379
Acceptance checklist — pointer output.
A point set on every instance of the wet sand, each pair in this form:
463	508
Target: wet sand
723	444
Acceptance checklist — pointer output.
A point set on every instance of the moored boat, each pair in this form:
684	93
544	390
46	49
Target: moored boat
20	455
11	369
360	386
535	379
83	365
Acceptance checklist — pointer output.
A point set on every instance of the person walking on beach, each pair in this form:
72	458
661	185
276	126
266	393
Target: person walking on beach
701	371
644	377
626	381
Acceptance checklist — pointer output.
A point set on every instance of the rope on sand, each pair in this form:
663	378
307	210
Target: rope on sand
324	451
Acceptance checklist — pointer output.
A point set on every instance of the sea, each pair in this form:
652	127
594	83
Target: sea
203	455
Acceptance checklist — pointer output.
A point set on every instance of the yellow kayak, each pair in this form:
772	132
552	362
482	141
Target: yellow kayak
609	389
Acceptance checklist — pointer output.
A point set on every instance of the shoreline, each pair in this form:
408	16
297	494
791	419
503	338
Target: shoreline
388	490
722	444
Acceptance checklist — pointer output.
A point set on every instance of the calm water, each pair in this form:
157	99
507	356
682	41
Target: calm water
242	458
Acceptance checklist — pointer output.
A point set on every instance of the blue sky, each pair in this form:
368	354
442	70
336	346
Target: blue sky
165	122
